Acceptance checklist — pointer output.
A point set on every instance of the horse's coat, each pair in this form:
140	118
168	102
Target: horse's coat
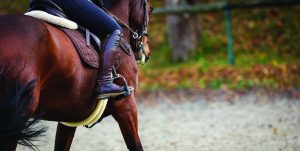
43	60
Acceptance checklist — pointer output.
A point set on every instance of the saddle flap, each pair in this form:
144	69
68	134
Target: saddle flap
88	54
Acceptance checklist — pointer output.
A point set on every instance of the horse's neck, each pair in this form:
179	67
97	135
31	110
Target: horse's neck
121	10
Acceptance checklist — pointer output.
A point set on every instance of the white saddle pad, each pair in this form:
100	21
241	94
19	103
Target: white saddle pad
52	19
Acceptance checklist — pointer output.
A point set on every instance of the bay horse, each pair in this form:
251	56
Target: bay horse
42	77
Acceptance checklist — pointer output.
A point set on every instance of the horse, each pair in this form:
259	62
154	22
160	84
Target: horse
42	78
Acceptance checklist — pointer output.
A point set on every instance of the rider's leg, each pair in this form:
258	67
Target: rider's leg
89	15
92	17
106	87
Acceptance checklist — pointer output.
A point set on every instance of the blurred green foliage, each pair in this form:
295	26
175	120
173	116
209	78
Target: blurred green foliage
13	6
266	48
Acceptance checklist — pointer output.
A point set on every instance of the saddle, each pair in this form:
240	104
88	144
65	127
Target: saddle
85	42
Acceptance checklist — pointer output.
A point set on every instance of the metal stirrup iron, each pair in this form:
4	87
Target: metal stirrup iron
119	76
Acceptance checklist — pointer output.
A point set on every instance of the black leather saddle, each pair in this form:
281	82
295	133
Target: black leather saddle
47	6
53	9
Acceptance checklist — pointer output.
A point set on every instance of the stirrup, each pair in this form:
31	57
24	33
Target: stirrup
127	89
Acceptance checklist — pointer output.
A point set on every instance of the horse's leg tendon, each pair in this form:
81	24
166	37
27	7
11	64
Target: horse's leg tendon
125	113
64	137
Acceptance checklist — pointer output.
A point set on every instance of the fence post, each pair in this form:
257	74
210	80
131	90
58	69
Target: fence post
231	58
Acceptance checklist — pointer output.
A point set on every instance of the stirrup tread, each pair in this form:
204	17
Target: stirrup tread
108	95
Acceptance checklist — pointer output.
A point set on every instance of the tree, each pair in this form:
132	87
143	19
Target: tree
182	31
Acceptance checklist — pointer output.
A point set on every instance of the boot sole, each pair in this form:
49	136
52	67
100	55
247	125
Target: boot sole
108	95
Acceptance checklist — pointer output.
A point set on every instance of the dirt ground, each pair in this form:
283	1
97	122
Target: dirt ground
246	123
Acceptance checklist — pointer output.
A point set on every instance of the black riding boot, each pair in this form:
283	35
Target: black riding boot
105	86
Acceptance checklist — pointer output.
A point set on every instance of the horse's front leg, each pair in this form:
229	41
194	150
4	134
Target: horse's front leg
64	137
125	113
